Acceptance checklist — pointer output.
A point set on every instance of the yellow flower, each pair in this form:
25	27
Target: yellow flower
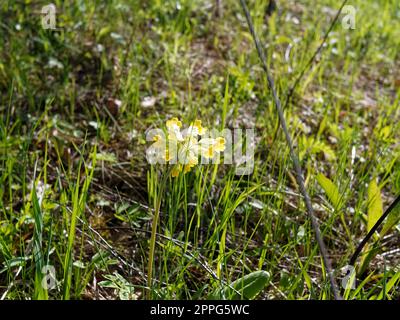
209	153
209	146
155	153
176	170
185	145
201	130
174	131
187	168
194	130
219	144
174	122
158	139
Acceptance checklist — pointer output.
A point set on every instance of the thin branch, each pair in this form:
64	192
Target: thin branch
311	61
372	231
298	171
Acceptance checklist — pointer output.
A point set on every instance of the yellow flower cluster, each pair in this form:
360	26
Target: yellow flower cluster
182	148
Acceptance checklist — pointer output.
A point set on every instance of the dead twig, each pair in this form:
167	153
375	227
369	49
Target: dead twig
298	171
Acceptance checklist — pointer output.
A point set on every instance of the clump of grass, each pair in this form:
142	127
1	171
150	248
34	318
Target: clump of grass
79	198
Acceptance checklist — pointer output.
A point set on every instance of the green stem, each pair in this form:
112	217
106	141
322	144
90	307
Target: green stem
153	236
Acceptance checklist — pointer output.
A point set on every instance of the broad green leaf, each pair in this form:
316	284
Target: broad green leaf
375	208
247	287
331	190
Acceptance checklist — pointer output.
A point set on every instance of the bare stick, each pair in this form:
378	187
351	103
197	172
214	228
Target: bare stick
298	171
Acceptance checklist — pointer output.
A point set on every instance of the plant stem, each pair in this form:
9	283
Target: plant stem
153	235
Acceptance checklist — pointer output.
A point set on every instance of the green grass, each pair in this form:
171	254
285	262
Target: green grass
77	193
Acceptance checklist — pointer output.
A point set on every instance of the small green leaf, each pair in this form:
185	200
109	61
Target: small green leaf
391	220
307	279
103	32
375	208
108	284
79	264
331	190
107	157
